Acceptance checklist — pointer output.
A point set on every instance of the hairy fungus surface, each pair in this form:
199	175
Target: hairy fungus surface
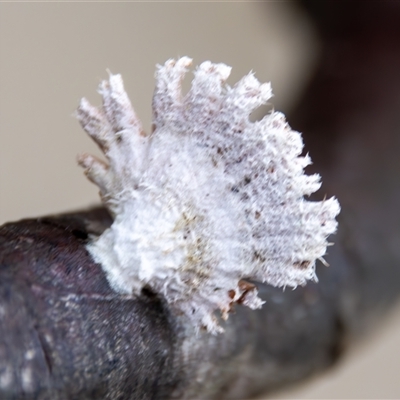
206	201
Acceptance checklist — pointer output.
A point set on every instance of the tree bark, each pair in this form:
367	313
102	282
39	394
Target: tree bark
65	333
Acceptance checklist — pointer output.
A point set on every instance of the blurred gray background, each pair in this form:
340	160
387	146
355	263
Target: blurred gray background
52	54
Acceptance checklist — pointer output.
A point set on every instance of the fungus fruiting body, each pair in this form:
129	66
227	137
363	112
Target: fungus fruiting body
207	200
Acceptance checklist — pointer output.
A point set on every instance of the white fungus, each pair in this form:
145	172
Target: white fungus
206	201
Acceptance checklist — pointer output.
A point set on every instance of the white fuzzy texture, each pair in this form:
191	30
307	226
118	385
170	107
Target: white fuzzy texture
208	199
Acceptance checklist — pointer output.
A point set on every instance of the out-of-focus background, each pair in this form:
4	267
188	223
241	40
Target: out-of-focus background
52	54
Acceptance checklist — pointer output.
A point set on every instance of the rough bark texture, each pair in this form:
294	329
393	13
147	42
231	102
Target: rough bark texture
64	334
